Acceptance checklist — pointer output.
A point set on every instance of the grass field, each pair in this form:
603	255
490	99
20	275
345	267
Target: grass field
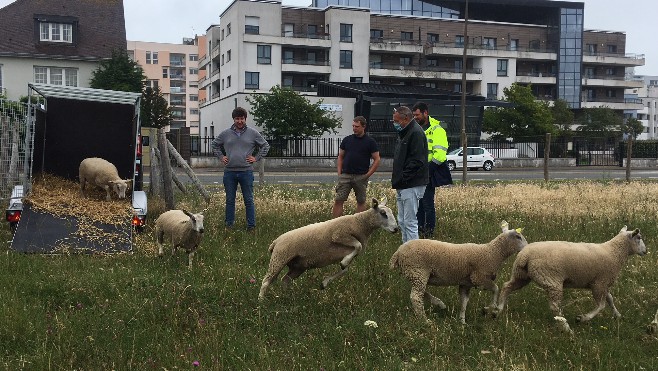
138	311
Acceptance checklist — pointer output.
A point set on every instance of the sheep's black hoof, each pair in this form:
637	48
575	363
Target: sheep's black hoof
322	286
652	328
579	318
342	267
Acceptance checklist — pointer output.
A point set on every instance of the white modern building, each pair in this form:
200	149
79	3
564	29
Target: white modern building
648	115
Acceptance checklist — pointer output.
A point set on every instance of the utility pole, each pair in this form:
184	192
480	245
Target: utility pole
463	131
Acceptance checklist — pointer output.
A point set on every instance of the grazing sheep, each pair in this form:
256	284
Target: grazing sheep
556	265
104	174
317	245
182	228
467	265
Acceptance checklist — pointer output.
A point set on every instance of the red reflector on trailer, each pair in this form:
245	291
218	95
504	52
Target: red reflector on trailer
13	216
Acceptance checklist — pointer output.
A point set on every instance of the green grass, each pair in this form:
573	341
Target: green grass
138	311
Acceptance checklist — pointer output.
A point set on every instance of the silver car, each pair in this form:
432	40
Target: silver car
476	157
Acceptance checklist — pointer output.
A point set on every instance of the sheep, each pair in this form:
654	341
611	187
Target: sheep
182	228
652	328
555	265
467	265
104	174
317	245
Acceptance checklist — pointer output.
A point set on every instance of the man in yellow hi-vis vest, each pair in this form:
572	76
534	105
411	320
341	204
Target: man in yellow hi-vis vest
437	148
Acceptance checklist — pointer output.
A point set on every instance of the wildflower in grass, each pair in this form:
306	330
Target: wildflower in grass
196	363
252	280
369	323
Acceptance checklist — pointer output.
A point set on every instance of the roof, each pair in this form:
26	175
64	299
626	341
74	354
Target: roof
86	94
100	29
383	92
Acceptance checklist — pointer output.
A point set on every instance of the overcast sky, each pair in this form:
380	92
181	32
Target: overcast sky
168	21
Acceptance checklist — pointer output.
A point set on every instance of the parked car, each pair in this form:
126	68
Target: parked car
476	157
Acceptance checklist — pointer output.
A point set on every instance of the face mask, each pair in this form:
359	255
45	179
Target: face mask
397	126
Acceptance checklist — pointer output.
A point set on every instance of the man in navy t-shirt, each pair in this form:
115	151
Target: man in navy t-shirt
354	167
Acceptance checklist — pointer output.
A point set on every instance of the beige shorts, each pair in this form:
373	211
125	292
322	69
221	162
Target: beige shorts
347	182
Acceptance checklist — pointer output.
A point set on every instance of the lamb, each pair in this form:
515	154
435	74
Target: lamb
467	265
104	174
555	265
182	228
317	245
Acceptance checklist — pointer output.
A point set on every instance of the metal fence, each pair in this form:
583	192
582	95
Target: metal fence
13	129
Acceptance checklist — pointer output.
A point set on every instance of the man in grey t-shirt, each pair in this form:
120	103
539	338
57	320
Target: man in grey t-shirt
238	147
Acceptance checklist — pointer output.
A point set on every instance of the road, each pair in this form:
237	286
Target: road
211	176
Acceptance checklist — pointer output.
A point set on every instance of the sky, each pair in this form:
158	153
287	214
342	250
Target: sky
169	21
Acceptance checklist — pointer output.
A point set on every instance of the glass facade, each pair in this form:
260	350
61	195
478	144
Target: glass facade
404	7
570	56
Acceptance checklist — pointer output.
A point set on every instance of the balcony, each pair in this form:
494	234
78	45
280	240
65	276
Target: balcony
539	52
423	72
305	65
177	76
318	40
176	63
612	103
628	60
611	81
536	78
304	89
176	90
397	46
214	53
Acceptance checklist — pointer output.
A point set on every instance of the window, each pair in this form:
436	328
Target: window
251	25
251	80
194	71
492	91
194	98
591	94
432	62
194	111
228	29
356	79
345	59
489	43
228	81
228	56
502	67
591	49
459	41
346	32
56	76
56	32
404	35
312	31
589	72
289	30
405	61
151	57
287	80
264	54
430	85
288	56
432	38
610	71
1	91
514	44
223	84
611	93
194	57
375	61
165	73
311	58
222	59
376	34
612	48
153	84
222	37
457	87
458	65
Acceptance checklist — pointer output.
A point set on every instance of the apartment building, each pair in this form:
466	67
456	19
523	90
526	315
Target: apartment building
56	42
648	115
174	68
261	43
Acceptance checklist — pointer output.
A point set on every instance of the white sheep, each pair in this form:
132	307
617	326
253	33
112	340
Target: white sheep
104	174
466	265
556	265
182	228
317	245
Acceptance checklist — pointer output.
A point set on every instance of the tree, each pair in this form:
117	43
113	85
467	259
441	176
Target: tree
562	117
118	73
601	122
528	117
285	114
155	111
633	127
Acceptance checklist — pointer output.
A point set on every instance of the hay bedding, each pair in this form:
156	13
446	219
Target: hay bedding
61	198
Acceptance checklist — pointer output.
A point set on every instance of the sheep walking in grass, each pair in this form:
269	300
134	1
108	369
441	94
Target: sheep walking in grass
556	265
102	173
467	265
317	245
182	228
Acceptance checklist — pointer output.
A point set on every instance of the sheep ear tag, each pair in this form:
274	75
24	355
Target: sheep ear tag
519	230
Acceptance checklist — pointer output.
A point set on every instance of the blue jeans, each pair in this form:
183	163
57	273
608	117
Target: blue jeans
407	200
427	213
246	181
